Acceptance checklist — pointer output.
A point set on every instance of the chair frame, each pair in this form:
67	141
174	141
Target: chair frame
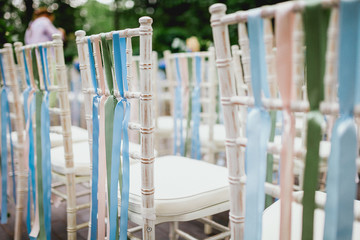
208	117
219	23
145	96
18	119
65	118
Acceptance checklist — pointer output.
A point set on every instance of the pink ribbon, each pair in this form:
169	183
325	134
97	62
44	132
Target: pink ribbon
102	150
284	21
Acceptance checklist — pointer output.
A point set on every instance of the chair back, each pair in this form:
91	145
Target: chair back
108	115
43	70
192	77
257	48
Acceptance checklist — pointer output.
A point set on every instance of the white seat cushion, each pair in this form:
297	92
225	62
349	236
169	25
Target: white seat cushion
78	135
271	221
182	185
81	158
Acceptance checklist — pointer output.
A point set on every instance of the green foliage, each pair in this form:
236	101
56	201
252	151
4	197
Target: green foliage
172	19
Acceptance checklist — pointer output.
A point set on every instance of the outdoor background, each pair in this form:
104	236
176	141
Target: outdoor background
174	20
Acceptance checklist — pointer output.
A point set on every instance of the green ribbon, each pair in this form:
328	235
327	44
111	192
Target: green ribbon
270	158
39	98
110	106
188	121
316	20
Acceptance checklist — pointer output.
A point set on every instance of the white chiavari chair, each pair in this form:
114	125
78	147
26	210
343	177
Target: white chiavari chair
68	166
17	121
241	67
211	135
164	189
271	217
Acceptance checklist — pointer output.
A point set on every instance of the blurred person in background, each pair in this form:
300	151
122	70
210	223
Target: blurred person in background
41	28
192	44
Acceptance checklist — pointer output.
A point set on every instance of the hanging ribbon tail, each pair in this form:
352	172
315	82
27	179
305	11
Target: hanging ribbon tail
196	108
11	145
39	162
270	159
195	140
178	130
95	169
29	155
115	168
4	156
125	176
46	163
258	132
26	155
342	166
287	167
110	105
311	174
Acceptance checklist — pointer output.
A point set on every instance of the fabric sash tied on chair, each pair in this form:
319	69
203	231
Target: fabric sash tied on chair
196	108
95	148
340	185
284	20
46	146
316	20
29	142
257	131
122	114
178	113
5	128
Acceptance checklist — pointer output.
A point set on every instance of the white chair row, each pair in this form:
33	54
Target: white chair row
284	219
161	189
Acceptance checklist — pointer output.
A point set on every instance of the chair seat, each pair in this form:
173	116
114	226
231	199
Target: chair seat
56	138
182	186
81	158
271	221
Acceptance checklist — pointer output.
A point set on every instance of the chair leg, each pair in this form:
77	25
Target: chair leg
172	231
207	227
71	206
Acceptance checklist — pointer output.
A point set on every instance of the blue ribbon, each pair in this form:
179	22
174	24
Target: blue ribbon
5	126
125	176
45	143
92	66
341	186
119	45
31	175
44	66
115	166
196	108
4	154
257	130
95	148
120	63
178	119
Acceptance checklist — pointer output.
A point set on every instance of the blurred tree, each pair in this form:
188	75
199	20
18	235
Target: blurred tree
11	27
176	19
